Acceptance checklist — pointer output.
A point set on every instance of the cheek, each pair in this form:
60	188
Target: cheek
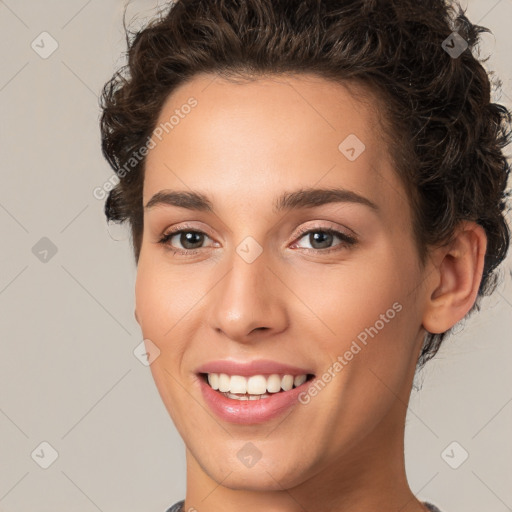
365	312
164	297
163	300
350	298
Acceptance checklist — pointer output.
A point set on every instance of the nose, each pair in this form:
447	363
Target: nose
248	303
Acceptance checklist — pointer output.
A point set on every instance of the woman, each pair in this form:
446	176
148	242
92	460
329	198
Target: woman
316	195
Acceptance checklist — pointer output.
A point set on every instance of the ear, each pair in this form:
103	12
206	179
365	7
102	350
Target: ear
456	278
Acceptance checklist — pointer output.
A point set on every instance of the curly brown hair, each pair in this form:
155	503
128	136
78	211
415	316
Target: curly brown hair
445	135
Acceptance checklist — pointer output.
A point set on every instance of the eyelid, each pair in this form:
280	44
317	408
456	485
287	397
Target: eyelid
316	226
187	227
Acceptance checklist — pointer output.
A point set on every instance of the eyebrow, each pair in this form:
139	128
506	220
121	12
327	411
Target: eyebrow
303	198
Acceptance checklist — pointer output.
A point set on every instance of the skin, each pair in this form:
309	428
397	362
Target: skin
242	146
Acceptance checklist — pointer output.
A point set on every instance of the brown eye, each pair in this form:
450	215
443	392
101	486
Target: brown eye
322	238
188	239
191	239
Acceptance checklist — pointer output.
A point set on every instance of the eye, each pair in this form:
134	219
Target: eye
321	239
189	239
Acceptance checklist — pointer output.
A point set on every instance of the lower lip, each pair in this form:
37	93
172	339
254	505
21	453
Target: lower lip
248	412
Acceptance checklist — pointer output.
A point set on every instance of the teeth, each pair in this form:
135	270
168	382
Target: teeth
287	382
224	382
246	397
238	384
213	380
299	379
255	384
273	383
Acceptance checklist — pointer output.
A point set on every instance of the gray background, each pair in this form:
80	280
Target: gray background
68	375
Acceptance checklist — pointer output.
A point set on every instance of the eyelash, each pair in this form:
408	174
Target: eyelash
346	240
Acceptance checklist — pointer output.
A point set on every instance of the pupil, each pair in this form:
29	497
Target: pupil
319	235
188	238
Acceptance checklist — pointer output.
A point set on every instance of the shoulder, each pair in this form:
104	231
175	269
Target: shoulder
177	507
431	508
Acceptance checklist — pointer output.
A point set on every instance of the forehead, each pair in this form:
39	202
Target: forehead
244	140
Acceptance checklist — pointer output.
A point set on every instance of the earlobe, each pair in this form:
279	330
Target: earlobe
458	275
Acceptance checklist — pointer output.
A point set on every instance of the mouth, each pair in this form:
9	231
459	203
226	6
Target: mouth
254	387
252	399
250	392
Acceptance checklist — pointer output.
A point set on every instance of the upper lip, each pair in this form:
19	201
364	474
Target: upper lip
255	367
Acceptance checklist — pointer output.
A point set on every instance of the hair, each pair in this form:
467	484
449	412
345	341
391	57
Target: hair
445	135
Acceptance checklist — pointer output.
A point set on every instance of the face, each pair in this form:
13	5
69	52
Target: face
254	278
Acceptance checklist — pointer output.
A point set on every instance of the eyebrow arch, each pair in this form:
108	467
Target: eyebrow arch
183	199
302	198
311	197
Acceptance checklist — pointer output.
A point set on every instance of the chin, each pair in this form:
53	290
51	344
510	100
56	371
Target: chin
258	481
277	475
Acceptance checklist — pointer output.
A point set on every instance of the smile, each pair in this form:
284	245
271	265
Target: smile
250	392
253	387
